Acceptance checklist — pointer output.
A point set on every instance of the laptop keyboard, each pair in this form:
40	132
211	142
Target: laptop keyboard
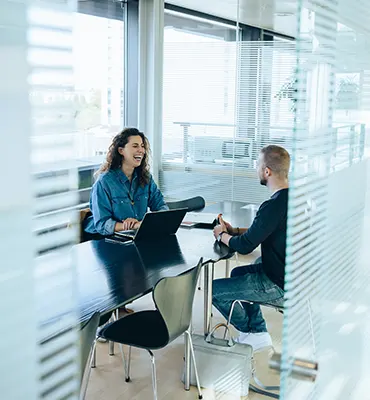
129	232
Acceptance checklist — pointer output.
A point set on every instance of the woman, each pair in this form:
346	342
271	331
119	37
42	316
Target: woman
124	190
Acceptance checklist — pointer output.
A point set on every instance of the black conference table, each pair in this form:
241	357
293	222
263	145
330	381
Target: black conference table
111	273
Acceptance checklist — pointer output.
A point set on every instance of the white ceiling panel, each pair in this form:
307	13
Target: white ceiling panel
278	16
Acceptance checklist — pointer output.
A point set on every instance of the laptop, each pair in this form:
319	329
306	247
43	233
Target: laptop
156	224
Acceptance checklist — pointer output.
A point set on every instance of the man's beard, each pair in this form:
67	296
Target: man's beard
263	182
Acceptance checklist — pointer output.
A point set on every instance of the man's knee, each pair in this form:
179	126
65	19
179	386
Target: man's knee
219	287
215	289
238	271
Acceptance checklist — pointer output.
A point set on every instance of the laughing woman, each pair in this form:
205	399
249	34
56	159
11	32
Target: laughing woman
124	189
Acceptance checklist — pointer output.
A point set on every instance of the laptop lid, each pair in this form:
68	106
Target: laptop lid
156	224
160	223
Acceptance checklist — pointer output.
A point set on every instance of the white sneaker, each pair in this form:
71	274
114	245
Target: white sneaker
256	340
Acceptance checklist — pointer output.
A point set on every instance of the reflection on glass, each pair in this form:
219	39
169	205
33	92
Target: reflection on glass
89	105
202	53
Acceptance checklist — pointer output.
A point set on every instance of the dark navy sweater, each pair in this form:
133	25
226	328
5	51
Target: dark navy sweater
268	230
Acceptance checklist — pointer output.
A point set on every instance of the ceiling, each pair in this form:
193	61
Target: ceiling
275	15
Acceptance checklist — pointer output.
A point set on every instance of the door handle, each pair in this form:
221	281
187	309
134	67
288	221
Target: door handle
300	369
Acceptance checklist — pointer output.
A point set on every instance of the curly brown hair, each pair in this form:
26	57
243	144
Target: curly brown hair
114	158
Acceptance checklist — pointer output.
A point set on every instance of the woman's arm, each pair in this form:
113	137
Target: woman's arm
101	207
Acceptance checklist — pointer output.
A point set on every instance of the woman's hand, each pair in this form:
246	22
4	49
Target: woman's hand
137	225
130	223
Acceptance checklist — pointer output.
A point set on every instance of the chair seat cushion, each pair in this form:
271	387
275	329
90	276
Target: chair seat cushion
145	329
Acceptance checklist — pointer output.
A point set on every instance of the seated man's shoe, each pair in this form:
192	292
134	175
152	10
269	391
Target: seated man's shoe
257	340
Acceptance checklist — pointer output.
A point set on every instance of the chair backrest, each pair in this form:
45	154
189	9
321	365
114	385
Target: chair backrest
192	204
84	213
87	337
174	298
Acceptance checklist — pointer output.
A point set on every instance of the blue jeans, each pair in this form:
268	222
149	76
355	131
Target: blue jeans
246	283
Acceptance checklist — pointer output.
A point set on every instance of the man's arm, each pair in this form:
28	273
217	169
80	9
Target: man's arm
265	222
230	229
238	231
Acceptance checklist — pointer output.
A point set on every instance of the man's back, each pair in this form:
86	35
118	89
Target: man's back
274	247
269	230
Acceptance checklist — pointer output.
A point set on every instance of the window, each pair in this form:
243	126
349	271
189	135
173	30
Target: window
199	84
96	90
99	76
87	109
220	106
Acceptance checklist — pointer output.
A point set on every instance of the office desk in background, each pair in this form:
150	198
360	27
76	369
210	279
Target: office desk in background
237	213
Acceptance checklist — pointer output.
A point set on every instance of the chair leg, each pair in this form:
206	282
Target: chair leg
262	389
231	313
227	269
86	377
126	366
93	358
114	317
255	389
154	376
111	348
190	344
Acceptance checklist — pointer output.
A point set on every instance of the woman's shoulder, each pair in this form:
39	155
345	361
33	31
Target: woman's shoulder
106	177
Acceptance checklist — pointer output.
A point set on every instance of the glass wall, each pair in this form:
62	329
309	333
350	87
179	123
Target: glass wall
225	95
327	271
99	80
96	102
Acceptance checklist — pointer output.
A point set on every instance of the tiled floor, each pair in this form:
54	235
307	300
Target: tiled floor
107	379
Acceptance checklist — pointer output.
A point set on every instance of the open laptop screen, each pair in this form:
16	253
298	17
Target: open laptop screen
157	224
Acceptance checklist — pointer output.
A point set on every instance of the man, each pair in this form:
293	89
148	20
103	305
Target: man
264	280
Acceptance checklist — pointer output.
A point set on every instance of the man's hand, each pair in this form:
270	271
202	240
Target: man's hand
219	228
228	228
130	223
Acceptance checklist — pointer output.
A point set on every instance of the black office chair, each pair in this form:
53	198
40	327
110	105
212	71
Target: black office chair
155	329
193	204
87	349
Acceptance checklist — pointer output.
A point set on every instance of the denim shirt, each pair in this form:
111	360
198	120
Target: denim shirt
111	201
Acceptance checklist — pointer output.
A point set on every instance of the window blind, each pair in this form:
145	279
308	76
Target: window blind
326	281
222	102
